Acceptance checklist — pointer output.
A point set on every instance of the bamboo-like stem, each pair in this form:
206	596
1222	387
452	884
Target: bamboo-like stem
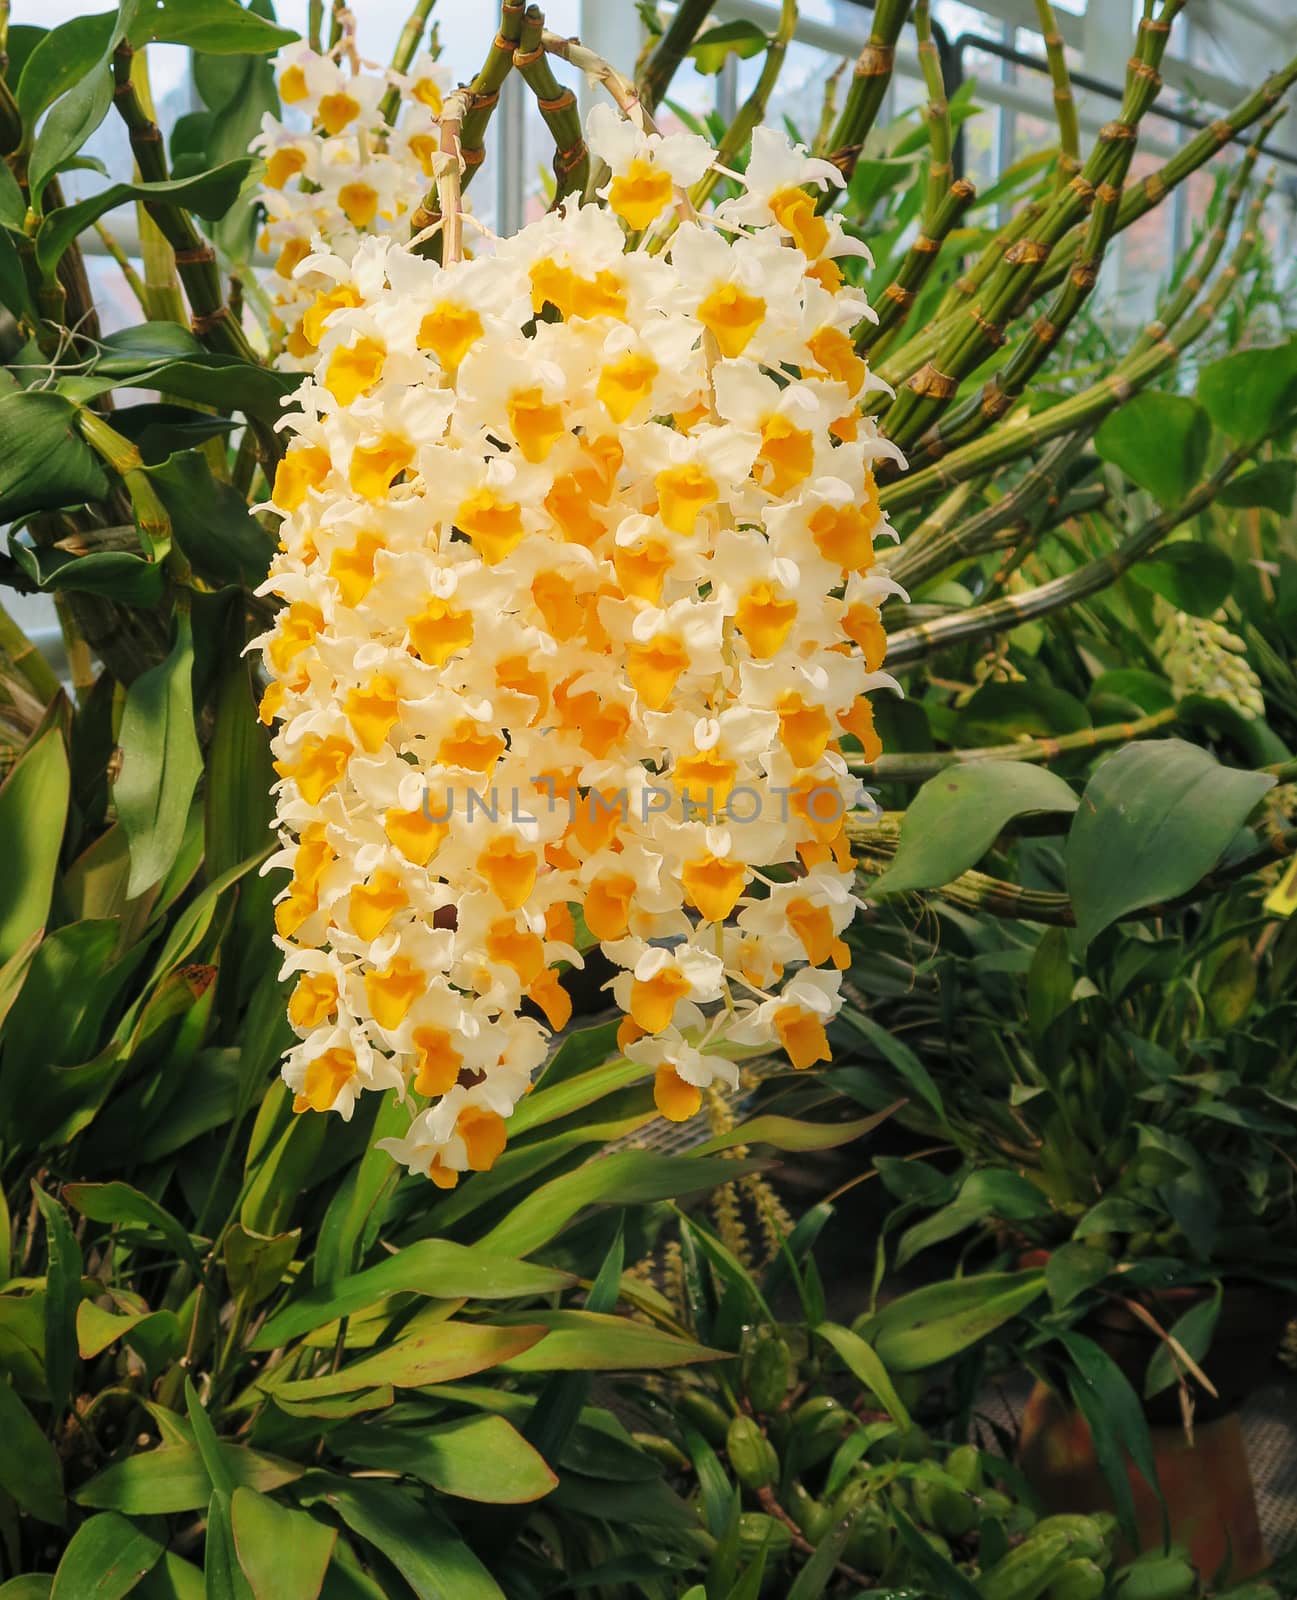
907	358
1191	285
869	79
134	282
1005	386
195	258
657	72
1136	202
81	668
941	171
1069	127
403	55
484	91
996	616
946	199
899	294
930	390
480	97
920	767
753	109
315	25
26	659
977	891
1087	408
828	110
557	106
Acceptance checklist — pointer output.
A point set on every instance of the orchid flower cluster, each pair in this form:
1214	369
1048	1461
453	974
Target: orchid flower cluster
578	602
335	170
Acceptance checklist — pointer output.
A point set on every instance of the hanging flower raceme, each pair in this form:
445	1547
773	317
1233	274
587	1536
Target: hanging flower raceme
578	604
336	173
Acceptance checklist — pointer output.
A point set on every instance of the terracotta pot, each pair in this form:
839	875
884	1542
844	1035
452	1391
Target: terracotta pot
1207	1485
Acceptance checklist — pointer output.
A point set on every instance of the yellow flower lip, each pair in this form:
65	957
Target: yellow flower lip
804	730
653	1000
803	1037
640	194
354	368
674	1098
510	872
393	991
437	1061
733	316
713	885
684	493
325	1079
336	111
794	210
450	331
765	617
626	383
844	536
789	453
495	526
440	631
536	423
373	904
375	467
313	1001
654	668
607	904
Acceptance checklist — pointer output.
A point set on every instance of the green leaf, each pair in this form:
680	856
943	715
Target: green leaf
1154	819
30	1586
97	1329
222	1576
1128	692
1072	1269
172	1579
1251	393
33	805
1049	983
1159	441
209	195
172	1478
438	1268
861	1357
219	26
284	1554
1193	576
29	1468
453	1350
929	1325
955	818
786	1133
160	762
473	1458
119	1203
255	1263
239	775
1194	1332
62	1297
1105	1398
105	1558
900	1056
1270	486
116	574
61	58
210	521
71	121
44	462
939	1574
713	48
989	1194
1000	713
627	1177
592	1341
416	1539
